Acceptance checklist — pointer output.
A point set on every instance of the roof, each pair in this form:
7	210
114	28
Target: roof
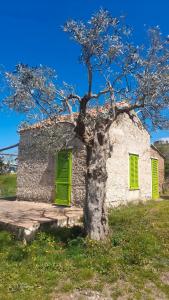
159	152
49	122
68	117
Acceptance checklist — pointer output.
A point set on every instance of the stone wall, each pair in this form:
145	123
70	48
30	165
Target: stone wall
37	163
155	154
128	137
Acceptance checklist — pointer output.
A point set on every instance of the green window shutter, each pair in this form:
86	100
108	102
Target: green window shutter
63	177
134	180
136	172
131	171
155	180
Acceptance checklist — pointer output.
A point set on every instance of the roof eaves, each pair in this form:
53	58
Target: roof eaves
152	146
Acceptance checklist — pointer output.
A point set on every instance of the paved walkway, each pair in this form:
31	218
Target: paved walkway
25	218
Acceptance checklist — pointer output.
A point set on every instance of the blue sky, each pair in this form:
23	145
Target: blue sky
30	32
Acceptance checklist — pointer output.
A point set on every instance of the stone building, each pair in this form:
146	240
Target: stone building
52	164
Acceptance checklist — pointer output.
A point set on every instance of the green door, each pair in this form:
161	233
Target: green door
155	184
63	177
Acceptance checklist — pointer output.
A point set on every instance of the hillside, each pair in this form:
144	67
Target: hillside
164	149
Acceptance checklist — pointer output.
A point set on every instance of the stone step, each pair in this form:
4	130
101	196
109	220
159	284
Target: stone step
25	218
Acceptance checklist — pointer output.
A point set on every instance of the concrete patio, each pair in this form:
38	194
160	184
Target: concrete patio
25	218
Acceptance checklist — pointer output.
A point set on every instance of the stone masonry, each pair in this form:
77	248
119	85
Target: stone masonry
37	162
128	137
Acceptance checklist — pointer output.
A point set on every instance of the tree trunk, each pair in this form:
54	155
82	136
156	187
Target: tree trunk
95	213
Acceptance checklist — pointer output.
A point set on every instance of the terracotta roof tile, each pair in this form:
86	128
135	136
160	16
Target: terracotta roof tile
67	117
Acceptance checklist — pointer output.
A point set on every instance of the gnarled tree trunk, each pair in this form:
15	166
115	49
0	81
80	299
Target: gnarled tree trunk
95	212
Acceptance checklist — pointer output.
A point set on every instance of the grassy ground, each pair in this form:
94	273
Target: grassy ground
132	264
7	185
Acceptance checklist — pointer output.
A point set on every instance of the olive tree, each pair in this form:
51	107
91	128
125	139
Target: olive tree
121	77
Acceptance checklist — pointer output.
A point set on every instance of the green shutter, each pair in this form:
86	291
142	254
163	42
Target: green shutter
136	172
155	183
63	177
134	180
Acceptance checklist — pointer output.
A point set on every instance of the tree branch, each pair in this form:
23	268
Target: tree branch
74	96
96	96
90	76
129	108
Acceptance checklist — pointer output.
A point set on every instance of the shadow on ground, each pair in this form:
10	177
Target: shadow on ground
9	198
64	234
165	197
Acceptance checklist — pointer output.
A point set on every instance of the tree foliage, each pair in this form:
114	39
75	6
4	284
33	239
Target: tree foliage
135	74
4	166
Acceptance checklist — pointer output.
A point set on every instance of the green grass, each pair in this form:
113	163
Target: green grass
7	185
132	262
